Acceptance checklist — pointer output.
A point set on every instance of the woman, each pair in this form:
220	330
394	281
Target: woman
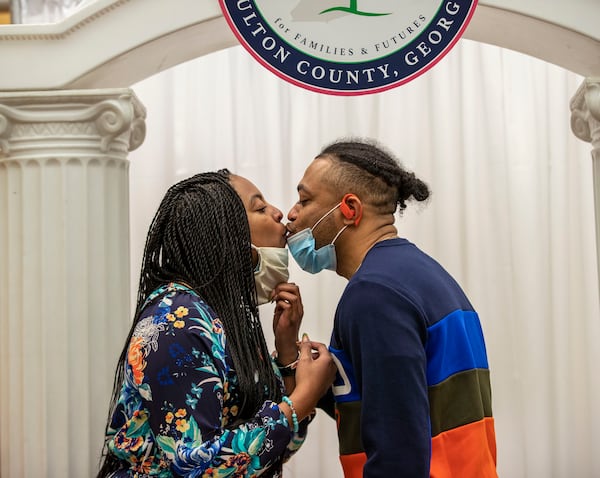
196	392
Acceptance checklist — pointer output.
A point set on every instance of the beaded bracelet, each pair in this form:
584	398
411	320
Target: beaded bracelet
287	400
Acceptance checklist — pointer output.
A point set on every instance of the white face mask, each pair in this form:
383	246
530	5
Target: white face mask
272	269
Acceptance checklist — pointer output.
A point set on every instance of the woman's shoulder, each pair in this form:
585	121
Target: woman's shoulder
177	315
178	305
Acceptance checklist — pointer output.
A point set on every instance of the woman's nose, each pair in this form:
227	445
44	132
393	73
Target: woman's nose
277	214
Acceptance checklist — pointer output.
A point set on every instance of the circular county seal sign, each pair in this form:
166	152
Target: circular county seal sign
348	47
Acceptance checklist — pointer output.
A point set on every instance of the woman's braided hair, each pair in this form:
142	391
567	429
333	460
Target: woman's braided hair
200	236
371	172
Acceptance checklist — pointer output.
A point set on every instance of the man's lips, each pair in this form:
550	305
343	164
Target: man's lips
288	233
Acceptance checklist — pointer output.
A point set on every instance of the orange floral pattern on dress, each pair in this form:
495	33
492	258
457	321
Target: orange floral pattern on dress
135	358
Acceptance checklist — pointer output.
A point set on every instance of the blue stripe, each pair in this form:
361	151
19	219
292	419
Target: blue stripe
455	344
345	388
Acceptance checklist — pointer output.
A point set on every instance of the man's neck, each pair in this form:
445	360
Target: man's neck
354	248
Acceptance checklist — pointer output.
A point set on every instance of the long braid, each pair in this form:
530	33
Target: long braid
200	235
359	156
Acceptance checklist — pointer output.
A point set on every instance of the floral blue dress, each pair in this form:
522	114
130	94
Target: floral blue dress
179	395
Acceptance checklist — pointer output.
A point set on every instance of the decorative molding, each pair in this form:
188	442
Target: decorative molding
76	22
585	112
103	32
5	131
110	121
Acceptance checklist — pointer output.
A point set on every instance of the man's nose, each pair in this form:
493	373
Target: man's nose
292	214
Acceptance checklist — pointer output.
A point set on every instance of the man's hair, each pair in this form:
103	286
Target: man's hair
373	174
200	236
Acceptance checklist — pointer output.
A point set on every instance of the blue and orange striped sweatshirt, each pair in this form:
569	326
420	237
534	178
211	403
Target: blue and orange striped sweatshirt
413	395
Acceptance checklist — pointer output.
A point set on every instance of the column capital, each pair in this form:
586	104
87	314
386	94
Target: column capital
70	122
585	112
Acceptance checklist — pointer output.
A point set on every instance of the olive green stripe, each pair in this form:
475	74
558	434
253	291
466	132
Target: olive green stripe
348	415
463	398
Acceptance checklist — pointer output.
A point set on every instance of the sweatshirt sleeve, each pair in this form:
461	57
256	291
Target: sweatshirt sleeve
384	336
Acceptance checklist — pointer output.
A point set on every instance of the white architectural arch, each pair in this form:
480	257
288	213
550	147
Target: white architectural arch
109	46
67	122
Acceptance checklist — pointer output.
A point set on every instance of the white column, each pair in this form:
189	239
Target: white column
585	123
64	273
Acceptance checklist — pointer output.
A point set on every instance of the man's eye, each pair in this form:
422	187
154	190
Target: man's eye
303	202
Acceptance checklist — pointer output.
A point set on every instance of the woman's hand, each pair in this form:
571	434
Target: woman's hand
315	373
287	318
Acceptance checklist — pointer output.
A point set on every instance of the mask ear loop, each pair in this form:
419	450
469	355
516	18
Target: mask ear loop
325	215
347	212
257	266
338	234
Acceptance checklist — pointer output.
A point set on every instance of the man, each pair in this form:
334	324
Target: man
413	396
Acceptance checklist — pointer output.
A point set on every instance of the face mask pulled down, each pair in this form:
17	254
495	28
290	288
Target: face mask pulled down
272	269
303	250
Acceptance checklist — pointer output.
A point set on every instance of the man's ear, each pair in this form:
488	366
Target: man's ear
351	208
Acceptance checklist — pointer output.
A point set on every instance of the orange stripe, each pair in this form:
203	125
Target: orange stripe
465	452
353	464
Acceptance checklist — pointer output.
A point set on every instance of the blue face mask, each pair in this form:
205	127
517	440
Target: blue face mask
302	249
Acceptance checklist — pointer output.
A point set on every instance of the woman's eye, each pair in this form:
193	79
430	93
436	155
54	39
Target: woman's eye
262	209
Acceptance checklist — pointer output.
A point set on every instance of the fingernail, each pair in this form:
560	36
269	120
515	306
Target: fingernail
305	337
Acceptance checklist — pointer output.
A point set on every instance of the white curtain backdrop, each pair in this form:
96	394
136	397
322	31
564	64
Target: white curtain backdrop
511	217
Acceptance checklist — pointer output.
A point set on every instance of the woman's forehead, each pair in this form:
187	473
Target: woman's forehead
245	189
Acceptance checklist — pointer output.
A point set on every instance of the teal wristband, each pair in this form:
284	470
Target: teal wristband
287	400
